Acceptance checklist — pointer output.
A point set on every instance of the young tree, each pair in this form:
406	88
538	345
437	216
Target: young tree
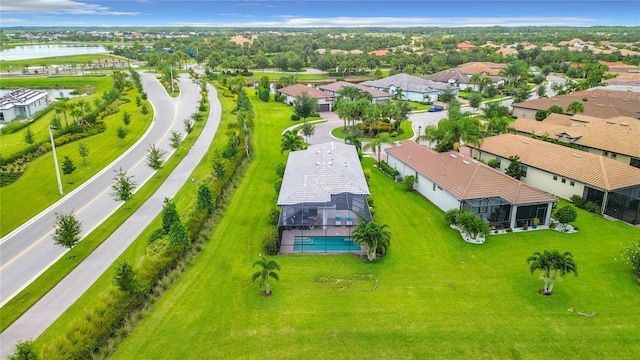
175	140
205	199
188	125
179	236
24	351
67	230
68	167
475	100
83	150
515	167
305	105
555	109
448	96
376	144
375	236
155	157
553	266
125	278
169	215
268	269
575	107
307	130
123	187
122	133
263	89
126	119
29	137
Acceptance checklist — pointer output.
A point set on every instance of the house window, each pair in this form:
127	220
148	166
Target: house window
439	188
555	177
417	177
563	180
605	153
523	171
483	206
613	155
572	183
434	187
498	161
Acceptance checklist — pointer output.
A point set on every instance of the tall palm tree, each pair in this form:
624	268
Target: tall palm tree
452	132
375	236
541	261
353	138
291	141
376	144
268	269
563	264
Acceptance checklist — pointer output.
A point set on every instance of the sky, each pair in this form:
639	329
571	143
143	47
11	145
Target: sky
318	13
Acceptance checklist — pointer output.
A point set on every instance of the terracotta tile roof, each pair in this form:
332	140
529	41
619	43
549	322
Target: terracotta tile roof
480	67
594	170
336	86
298	89
464	177
379	52
619	134
444	76
465	45
600	103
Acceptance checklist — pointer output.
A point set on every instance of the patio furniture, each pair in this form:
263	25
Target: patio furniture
349	221
338	221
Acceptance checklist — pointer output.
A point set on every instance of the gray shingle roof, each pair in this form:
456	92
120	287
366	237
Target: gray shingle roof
313	175
406	82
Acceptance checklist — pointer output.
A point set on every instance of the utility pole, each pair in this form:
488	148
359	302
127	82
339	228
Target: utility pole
55	162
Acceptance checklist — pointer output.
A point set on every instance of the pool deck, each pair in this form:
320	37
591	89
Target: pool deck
288	238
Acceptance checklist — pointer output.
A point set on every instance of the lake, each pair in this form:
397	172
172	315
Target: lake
24	52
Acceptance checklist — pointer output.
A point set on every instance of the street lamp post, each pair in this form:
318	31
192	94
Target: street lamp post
418	138
55	162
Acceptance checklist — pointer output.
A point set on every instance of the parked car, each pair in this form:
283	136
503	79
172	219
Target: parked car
510	93
435	108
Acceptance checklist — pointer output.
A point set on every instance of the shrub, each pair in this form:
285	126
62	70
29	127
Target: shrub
409	180
388	169
295	117
592	207
157	234
577	201
565	214
274	216
367	174
631	256
494	163
270	241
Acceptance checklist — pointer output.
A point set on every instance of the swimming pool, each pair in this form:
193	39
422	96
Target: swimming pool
324	244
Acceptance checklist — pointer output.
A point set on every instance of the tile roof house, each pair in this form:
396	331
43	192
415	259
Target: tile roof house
460	79
22	103
413	88
454	181
599	103
617	138
465	46
325	100
566	172
482	68
376	95
323	192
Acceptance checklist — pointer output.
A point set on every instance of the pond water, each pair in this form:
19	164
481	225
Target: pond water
24	52
53	93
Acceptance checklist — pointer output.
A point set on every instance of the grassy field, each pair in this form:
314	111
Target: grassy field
438	297
18	65
40	173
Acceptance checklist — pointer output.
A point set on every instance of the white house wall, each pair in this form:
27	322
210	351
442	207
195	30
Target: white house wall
542	179
437	195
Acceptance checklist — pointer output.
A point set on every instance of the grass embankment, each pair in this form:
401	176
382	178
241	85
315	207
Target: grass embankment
184	200
437	296
40	173
405	126
18	65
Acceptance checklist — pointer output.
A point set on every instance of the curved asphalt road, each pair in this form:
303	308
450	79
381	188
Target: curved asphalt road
97	205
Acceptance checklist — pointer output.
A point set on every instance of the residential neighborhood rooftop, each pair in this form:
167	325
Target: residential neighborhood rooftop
619	134
298	89
336	86
406	82
594	170
313	175
20	97
464	177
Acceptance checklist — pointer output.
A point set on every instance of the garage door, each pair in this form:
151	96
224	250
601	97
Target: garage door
324	107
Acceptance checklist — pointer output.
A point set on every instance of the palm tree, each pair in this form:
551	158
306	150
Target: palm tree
375	236
499	125
268	270
376	144
452	132
291	141
575	107
553	266
353	138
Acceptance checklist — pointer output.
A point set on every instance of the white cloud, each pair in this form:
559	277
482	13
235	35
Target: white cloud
58	7
12	21
292	21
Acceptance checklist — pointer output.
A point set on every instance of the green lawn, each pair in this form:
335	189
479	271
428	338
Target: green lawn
18	65
40	174
438	297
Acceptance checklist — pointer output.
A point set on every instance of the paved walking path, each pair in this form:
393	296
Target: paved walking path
37	319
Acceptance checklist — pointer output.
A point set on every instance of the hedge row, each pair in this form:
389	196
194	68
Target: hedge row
388	169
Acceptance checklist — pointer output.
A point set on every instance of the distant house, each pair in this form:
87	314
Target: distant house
617	138
603	104
22	103
322	197
454	181
413	88
465	46
458	78
379	52
325	100
565	172
376	95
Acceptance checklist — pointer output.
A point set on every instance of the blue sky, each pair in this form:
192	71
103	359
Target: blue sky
318	13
